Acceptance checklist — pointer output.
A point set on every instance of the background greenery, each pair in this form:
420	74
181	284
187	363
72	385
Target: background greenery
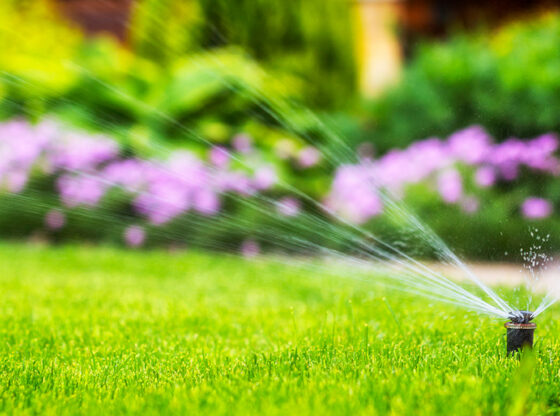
507	80
208	69
312	39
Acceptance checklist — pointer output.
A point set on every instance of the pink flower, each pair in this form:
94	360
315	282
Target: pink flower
250	248
536	208
219	157
450	186
55	219
206	202
130	174
134	236
16	180
242	143
354	194
485	176
79	151
265	177
470	145
363	206
80	190
308	157
289	206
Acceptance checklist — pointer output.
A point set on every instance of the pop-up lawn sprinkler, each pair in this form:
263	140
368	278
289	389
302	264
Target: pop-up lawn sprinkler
520	331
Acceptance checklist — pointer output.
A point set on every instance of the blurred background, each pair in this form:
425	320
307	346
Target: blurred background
452	107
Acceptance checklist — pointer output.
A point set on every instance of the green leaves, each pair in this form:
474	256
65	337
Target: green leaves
508	81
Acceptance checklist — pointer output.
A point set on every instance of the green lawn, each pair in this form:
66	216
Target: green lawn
103	331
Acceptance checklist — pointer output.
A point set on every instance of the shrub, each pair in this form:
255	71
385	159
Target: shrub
480	196
309	38
192	99
75	180
508	81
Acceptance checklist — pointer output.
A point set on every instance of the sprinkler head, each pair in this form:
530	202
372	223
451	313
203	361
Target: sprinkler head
519	331
521	317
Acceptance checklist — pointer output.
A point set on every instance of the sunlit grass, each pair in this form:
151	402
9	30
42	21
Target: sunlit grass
101	330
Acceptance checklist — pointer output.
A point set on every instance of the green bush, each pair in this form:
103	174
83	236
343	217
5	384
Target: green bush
507	81
98	85
311	39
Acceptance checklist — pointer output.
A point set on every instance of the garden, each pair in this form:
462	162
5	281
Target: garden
210	216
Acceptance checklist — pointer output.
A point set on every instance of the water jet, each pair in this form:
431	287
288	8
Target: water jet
520	331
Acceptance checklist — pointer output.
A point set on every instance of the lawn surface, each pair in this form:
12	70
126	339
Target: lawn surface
102	331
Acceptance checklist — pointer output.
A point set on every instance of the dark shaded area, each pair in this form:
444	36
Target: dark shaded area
99	16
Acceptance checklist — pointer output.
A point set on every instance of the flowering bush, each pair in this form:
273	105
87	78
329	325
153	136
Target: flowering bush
437	163
87	167
498	185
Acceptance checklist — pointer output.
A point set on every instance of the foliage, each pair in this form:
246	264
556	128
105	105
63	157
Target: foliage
311	39
507	81
480	196
97	84
102	331
224	98
227	197
52	176
33	59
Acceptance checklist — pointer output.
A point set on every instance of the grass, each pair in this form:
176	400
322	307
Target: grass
103	331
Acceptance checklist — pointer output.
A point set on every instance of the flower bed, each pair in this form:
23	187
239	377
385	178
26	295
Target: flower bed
468	171
441	164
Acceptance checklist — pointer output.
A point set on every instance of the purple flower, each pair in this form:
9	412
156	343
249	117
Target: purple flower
539	153
450	186
536	208
80	190
354	194
134	236
15	180
219	157
507	157
185	167
250	248
485	176
242	143
76	151
288	206
470	145
235	182
55	219
206	202
265	177
163	201
363	206
308	157
401	167
130	174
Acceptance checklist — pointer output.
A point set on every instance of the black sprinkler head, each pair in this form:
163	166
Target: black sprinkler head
521	317
520	331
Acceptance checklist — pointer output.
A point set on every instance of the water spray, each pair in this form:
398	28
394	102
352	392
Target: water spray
520	331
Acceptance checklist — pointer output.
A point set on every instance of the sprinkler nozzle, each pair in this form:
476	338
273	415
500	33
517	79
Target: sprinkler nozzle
519	331
521	317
